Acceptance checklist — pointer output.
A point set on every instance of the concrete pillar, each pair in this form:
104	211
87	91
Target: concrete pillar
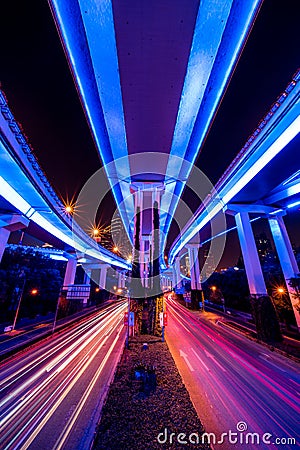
174	278
4	235
177	277
193	250
254	273
70	272
103	274
9	223
163	282
121	280
142	261
168	284
146	280
286	257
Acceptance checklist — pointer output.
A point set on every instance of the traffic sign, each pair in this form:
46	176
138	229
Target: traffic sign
163	319
131	319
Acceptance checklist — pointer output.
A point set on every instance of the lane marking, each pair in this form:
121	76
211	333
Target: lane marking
209	355
185	357
196	354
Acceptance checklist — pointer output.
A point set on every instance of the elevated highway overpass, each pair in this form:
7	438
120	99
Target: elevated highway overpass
150	94
26	195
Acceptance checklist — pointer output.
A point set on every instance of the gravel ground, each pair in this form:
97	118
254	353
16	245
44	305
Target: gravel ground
143	402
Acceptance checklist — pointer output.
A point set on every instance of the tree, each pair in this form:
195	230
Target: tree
266	320
39	271
294	283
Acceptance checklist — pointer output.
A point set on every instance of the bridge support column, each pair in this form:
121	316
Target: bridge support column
9	223
4	236
147	202
263	310
193	250
163	283
103	275
70	272
146	279
254	273
174	278
196	288
176	273
287	259
143	262
121	280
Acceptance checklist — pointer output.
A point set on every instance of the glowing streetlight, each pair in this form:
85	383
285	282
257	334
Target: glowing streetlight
115	249
20	291
97	289
33	291
280	290
69	209
214	288
96	233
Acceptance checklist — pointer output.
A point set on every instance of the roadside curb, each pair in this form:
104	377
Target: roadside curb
247	334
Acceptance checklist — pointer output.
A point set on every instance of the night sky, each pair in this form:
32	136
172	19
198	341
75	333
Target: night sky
36	80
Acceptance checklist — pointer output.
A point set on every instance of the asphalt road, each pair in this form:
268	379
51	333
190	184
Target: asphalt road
237	386
51	394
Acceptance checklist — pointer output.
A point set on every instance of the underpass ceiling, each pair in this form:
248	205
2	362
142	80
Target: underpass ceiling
44	100
153	46
150	77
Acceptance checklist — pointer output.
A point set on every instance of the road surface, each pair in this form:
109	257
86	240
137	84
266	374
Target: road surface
235	384
52	394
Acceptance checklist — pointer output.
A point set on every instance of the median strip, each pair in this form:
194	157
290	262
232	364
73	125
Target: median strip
148	402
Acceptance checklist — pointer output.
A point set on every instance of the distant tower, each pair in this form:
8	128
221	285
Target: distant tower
208	264
119	236
187	266
267	255
264	246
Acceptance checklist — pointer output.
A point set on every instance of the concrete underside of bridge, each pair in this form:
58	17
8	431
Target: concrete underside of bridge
151	76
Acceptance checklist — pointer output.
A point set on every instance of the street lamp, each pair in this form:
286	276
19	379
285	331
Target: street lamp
127	334
69	209
20	292
96	235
